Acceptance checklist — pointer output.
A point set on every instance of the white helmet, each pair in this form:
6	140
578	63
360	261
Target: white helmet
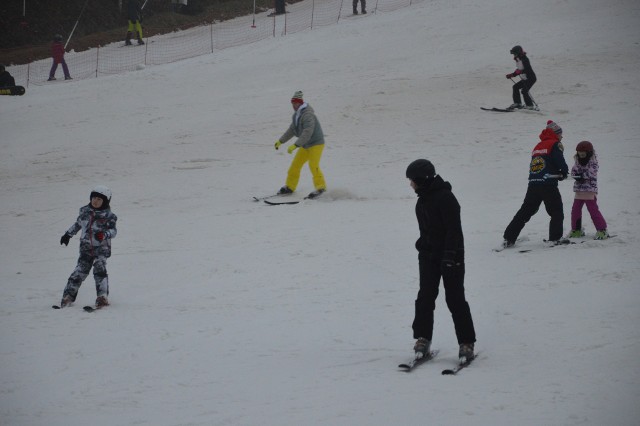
102	190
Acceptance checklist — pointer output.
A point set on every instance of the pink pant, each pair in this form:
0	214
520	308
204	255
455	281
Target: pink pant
594	211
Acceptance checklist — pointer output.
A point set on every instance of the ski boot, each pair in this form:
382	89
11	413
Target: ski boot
285	190
601	235
576	233
508	244
515	106
66	301
316	193
422	347
101	302
465	353
559	242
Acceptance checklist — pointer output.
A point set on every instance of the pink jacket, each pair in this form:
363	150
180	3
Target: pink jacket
57	51
590	174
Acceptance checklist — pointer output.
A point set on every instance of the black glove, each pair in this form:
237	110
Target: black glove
448	260
562	177
65	239
579	178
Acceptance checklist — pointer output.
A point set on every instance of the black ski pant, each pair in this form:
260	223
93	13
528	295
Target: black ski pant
536	195
431	271
524	86
363	5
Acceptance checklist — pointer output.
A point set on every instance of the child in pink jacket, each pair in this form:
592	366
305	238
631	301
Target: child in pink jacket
585	173
57	53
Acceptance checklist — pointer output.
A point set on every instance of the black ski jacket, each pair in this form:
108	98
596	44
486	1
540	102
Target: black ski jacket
438	214
6	80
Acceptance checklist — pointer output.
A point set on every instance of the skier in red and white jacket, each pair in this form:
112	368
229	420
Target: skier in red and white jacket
528	79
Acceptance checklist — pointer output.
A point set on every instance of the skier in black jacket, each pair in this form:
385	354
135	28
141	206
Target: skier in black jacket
527	76
440	255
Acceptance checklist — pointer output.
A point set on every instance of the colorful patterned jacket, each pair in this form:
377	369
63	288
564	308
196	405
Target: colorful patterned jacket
92	221
589	173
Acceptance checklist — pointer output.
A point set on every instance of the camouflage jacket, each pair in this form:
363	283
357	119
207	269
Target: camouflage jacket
92	221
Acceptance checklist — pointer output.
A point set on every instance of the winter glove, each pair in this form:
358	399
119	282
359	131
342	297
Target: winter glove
562	177
448	260
579	178
292	148
65	239
278	143
510	76
100	235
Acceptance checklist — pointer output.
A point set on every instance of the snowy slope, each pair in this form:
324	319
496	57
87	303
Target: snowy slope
229	312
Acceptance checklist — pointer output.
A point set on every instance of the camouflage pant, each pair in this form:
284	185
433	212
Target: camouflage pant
85	262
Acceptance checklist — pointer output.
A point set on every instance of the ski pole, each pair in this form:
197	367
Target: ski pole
74	27
550	176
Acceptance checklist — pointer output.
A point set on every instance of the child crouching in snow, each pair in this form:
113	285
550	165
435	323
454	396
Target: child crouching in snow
98	225
585	172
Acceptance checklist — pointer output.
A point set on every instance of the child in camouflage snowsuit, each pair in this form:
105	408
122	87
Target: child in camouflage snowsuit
98	225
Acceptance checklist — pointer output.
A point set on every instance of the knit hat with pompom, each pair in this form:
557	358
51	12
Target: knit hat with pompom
554	126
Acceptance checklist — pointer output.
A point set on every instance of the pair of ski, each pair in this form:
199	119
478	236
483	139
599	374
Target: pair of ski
85	308
410	366
508	109
563	242
269	199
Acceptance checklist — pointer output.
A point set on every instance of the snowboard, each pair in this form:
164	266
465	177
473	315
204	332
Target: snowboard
12	91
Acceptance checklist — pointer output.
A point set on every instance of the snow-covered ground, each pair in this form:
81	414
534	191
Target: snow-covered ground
230	312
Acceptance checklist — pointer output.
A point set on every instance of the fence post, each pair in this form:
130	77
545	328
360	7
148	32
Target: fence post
97	60
313	7
211	30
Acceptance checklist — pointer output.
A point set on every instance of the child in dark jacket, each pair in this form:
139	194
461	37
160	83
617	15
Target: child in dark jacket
57	53
98	225
6	79
585	173
527	79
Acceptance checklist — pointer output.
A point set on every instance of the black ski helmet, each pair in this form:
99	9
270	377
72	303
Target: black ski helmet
57	37
516	50
421	171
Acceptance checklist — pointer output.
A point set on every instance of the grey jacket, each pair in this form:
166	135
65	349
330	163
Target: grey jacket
91	221
307	128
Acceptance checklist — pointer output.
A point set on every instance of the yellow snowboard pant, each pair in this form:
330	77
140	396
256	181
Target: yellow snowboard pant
135	25
312	155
